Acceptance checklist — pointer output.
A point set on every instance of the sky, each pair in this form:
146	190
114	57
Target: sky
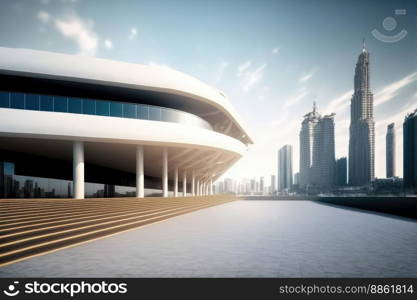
271	58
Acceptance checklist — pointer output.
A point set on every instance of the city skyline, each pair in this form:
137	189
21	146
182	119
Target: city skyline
269	73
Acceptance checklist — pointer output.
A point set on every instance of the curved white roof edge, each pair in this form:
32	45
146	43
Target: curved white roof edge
149	77
56	125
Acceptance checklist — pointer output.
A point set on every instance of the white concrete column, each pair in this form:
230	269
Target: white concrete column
176	182
184	184
211	186
198	187
78	169
140	177
193	183
165	172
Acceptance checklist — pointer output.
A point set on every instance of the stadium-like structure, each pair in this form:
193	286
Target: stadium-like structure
73	126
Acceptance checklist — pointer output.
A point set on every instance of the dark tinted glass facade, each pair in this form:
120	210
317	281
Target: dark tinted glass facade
99	107
410	152
341	171
17	100
47	103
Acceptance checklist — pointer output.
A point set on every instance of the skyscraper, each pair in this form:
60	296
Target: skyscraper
297	178
228	185
285	168
252	185
341	171
261	185
390	150
323	169
307	133
362	126
273	184
317	150
410	150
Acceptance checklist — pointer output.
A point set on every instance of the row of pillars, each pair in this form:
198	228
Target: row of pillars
198	187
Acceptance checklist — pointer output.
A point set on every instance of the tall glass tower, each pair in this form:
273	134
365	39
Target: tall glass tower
308	154
362	126
285	168
317	151
410	150
390	150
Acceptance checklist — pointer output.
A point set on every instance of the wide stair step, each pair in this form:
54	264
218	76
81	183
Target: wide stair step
47	225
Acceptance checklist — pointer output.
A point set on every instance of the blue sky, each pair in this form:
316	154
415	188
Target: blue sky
272	58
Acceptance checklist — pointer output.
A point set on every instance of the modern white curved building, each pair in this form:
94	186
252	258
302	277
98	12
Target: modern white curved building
73	126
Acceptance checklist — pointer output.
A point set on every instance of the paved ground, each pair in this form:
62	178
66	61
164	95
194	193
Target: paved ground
30	227
245	239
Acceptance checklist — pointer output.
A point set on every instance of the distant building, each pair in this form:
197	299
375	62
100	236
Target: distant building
248	190
273	184
262	185
390	150
297	178
285	168
362	126
307	133
324	153
387	186
341	171
252	186
410	151
221	189
317	150
228	186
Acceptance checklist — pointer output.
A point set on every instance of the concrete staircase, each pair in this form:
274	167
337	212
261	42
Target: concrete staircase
32	227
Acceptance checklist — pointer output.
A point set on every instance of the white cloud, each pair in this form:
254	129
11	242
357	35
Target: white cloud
44	1
300	94
275	50
397	118
390	91
307	75
283	116
132	33
339	104
241	68
252	77
43	16
108	44
73	27
220	70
